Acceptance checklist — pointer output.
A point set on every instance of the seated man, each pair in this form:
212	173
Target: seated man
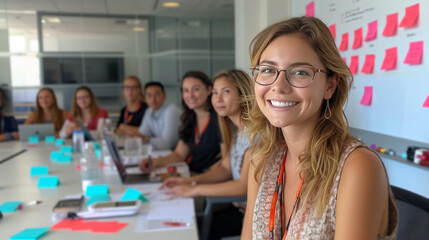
160	124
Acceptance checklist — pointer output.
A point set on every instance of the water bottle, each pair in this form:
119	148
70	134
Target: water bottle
105	154
78	141
90	167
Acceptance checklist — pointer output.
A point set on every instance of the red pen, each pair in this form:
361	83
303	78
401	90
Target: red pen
175	224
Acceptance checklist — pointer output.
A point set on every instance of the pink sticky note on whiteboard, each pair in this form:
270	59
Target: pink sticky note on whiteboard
354	64
411	16
372	31
391	24
390	58
368	66
309	9
426	103
367	96
344	42
415	53
357	42
333	29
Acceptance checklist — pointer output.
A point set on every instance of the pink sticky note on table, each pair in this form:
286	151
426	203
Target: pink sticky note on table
390	57
357	42
411	16
426	103
108	227
415	53
368	66
344	42
309	9
367	96
333	29
372	31
391	24
354	64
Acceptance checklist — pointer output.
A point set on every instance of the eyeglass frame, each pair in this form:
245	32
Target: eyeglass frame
315	70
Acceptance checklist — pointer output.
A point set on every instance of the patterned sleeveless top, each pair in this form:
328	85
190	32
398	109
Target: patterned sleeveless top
305	224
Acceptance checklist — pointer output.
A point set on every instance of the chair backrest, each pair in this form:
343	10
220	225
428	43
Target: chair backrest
413	215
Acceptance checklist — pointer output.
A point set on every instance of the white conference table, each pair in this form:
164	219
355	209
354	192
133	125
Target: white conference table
16	184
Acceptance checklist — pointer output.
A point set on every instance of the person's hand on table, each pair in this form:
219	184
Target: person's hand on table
184	190
146	165
174	181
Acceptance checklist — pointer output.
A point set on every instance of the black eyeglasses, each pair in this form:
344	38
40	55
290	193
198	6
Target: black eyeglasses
297	76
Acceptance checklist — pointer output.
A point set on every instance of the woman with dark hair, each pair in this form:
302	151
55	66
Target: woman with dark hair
132	114
199	135
8	124
85	109
47	110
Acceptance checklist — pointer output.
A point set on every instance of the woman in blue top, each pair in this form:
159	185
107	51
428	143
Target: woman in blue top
199	143
8	124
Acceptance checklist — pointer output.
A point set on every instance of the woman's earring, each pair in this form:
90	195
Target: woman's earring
328	112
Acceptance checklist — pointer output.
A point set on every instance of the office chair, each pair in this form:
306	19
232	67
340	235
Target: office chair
413	215
208	212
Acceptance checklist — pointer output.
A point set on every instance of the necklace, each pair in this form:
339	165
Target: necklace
275	198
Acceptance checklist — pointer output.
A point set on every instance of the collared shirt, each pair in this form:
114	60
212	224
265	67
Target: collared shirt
162	126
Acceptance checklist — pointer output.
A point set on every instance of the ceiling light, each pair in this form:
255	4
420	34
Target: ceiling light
138	29
53	20
171	4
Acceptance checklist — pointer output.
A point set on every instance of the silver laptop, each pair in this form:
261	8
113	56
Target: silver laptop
41	130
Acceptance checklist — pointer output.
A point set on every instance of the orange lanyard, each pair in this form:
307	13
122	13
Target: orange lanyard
275	198
197	137
128	118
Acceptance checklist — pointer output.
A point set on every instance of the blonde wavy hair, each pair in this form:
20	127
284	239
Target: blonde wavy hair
244	84
319	161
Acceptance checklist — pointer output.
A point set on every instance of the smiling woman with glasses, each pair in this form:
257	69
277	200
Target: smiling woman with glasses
309	177
132	114
84	109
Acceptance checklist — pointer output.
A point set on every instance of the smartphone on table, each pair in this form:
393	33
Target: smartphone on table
68	205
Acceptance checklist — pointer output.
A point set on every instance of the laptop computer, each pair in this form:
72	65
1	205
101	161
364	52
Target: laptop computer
126	178
42	130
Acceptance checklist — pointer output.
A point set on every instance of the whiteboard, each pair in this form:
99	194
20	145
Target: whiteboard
396	107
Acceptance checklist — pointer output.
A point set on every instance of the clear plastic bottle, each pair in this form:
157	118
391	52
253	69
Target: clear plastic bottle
90	166
78	141
106	157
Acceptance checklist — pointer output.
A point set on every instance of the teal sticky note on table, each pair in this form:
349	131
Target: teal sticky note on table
33	139
67	149
98	153
50	139
55	155
133	195
93	190
64	158
39	170
30	234
98	198
96	145
48	182
8	207
59	142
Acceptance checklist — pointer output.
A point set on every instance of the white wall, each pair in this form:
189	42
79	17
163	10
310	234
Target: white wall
251	16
